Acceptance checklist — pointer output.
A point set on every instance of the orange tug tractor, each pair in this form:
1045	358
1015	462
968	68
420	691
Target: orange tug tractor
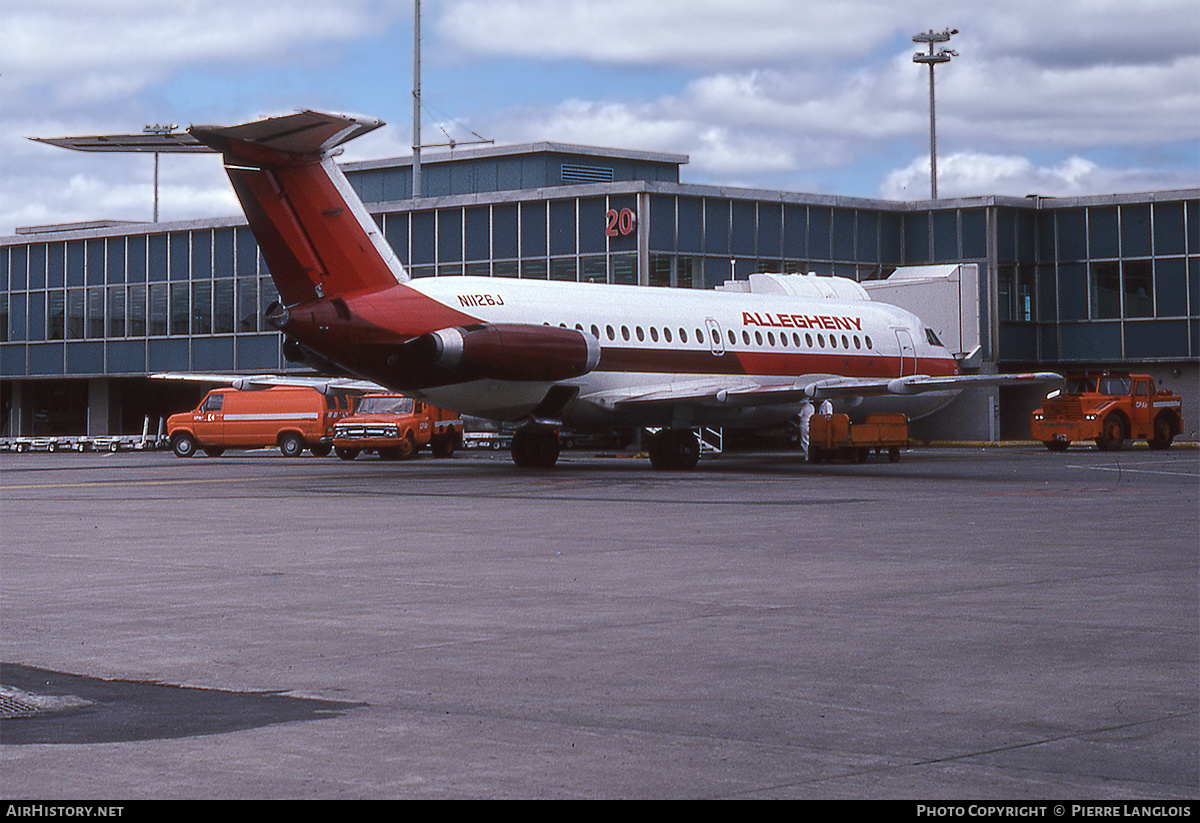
396	428
1109	408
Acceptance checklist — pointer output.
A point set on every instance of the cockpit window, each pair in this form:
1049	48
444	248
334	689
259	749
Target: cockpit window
933	338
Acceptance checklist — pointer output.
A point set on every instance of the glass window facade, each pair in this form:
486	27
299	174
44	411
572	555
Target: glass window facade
1112	280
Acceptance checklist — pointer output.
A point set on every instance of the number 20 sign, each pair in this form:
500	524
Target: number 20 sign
620	223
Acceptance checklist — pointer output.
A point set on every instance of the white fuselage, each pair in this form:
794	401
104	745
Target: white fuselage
662	342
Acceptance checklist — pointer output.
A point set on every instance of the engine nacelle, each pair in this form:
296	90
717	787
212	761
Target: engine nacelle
512	351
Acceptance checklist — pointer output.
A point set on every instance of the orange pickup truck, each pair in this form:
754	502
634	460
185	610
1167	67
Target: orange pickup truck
291	417
1109	408
396	428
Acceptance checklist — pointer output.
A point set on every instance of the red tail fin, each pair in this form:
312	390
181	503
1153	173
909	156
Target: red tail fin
315	234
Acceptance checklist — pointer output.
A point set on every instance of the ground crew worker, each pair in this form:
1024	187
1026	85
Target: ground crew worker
806	412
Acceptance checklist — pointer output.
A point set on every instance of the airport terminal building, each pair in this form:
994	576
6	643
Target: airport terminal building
88	312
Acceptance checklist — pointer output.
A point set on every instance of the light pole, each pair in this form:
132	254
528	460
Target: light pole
931	59
162	131
416	167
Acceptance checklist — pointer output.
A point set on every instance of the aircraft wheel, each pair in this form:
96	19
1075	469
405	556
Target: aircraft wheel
680	450
535	448
654	446
184	445
1058	445
1112	433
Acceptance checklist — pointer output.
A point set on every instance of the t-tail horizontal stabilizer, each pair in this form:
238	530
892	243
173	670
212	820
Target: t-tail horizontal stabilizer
315	234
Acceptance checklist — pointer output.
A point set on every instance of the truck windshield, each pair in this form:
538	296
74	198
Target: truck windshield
385	405
1114	385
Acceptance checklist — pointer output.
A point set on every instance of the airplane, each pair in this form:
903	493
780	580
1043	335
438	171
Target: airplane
548	354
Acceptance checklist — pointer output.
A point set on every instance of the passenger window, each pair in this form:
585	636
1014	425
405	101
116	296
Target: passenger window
641	335
667	335
612	335
771	338
595	332
868	339
625	332
653	334
808	340
683	335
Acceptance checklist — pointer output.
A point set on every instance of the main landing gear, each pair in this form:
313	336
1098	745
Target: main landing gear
673	449
535	447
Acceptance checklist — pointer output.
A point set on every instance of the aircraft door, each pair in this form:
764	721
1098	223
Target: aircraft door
908	353
715	343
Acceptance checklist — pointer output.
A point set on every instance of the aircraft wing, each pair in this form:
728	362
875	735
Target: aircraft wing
816	387
325	385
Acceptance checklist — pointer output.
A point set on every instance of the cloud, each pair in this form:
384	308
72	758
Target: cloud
969	174
667	32
762	93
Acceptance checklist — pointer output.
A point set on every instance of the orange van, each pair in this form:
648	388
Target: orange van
290	417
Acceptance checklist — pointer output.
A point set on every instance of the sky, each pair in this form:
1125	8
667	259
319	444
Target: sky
1069	98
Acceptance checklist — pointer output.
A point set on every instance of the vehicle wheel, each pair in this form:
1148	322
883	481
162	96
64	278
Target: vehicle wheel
1112	433
291	445
213	451
184	445
443	447
1058	445
407	449
321	449
893	454
1163	434
346	454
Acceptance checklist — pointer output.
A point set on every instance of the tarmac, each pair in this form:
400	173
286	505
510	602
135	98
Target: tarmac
995	624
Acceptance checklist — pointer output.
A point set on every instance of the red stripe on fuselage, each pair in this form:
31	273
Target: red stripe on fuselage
694	361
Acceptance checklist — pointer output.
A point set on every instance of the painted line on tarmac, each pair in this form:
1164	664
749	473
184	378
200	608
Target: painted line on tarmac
1136	471
96	483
